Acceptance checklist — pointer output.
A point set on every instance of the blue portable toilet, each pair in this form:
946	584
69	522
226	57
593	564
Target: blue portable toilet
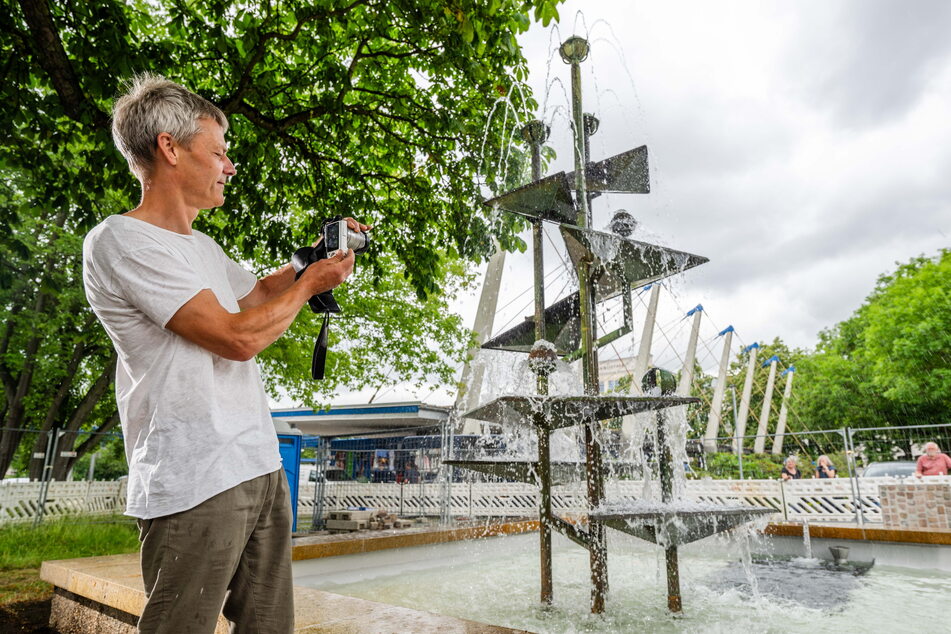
290	445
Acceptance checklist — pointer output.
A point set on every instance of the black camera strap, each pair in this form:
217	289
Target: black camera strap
321	302
320	349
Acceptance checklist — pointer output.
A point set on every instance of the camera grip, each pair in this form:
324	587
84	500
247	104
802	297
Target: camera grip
304	257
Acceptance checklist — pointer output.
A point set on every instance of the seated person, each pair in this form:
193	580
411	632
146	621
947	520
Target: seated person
791	469
824	468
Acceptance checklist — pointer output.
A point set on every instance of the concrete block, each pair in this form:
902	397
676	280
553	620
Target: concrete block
346	525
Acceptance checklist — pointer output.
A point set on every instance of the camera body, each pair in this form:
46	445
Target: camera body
339	237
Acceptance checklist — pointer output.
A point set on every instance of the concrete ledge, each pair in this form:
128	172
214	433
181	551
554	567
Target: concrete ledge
937	537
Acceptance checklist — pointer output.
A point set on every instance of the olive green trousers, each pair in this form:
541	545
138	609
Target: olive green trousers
229	555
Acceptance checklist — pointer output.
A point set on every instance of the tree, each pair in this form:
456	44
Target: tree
889	364
907	339
369	108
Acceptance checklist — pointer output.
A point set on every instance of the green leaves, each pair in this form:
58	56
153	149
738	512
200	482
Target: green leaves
889	364
377	110
546	11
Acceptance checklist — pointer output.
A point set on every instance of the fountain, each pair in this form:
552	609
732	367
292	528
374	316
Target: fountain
608	265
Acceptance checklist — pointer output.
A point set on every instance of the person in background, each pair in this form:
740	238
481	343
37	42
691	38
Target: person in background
932	462
824	468
791	469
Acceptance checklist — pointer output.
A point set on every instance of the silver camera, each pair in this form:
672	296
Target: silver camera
339	237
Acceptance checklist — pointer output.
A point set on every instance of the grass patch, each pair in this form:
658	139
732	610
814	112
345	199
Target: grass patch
17	586
22	546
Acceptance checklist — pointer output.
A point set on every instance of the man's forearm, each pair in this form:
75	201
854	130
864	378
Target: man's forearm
237	336
258	327
240	336
277	282
269	287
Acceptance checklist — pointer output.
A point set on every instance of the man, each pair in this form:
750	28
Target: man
932	462
205	477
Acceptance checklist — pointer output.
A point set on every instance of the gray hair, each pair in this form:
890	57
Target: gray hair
151	105
792	459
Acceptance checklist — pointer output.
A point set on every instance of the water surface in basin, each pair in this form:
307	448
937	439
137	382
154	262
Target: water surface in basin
496	581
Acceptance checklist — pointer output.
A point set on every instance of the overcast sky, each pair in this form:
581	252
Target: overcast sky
804	147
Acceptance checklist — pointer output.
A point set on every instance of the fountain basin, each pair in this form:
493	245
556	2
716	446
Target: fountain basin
419	570
496	581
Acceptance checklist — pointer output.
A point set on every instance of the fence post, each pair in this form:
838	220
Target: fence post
117	505
849	457
782	497
86	498
740	455
850	452
52	444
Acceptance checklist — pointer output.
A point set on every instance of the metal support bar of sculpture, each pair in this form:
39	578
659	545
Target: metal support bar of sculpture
536	133
573	51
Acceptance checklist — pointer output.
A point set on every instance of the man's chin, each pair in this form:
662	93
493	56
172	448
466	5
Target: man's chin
213	204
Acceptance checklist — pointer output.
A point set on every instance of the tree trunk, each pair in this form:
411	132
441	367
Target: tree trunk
62	465
79	416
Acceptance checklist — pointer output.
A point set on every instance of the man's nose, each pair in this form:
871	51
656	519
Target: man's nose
230	168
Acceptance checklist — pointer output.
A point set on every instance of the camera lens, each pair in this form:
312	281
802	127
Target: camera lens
357	241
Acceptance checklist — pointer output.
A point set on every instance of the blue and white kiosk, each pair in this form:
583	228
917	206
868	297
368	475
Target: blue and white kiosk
297	428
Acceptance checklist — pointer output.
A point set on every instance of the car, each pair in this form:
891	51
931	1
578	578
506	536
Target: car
894	469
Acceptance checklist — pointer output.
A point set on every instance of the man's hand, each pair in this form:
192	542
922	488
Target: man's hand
328	274
357	226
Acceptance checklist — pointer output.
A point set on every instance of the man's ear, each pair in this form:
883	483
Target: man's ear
167	148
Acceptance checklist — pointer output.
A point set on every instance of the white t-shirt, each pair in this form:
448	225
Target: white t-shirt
195	423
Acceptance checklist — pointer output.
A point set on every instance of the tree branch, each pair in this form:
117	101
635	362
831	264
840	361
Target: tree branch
95	392
72	367
52	58
260	49
271	124
392	55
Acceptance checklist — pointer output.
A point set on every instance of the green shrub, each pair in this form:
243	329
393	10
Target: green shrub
755	466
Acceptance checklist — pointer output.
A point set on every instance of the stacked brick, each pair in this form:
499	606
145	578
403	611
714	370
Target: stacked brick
916	505
363	519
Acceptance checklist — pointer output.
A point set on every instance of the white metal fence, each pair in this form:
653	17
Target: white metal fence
837	500
812	500
19	501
